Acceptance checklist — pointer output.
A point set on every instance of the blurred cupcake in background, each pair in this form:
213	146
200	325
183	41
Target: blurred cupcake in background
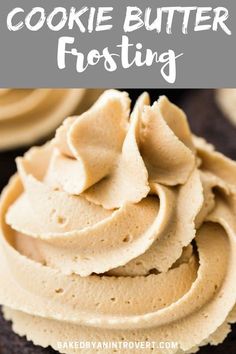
226	100
28	115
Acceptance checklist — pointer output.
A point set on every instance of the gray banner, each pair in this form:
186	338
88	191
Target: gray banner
39	49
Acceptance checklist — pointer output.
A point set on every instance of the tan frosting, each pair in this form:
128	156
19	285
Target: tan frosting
226	100
30	114
121	228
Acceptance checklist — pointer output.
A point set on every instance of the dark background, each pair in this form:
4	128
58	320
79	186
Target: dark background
206	120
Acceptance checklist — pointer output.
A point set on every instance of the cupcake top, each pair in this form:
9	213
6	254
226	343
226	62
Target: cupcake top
31	114
122	227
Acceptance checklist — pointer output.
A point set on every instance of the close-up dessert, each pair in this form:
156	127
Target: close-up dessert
121	229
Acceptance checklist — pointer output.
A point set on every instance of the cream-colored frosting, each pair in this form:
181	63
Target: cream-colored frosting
31	114
226	100
121	228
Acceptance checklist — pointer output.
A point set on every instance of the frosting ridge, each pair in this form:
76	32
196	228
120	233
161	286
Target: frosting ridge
28	115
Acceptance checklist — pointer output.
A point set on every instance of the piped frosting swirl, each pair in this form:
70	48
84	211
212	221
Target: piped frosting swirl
121	228
27	115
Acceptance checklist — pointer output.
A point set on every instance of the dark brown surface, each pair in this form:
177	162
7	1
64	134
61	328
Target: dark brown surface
10	343
206	120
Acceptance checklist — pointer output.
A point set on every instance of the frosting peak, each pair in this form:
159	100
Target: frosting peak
112	156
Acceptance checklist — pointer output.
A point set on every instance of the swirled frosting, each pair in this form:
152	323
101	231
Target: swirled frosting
121	228
31	114
226	100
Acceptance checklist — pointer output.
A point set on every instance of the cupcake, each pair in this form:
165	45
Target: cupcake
31	114
121	230
226	100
